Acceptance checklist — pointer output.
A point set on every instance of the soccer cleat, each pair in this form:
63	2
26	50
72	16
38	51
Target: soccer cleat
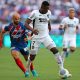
67	76
34	73
26	74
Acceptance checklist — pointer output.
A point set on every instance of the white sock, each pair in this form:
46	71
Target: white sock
28	64
63	55
68	50
59	60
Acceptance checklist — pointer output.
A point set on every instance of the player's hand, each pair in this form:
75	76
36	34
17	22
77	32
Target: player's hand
61	27
25	39
35	31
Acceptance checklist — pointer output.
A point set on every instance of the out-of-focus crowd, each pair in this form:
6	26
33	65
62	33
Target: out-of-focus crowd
59	8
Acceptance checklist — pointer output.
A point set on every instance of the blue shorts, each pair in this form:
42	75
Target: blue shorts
22	48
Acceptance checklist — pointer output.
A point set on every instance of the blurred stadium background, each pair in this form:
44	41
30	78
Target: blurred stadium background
59	9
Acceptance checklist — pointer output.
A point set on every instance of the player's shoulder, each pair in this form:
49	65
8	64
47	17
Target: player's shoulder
65	18
76	19
35	11
21	24
10	24
49	12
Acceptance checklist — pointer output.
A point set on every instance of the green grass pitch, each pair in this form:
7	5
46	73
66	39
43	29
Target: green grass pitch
45	64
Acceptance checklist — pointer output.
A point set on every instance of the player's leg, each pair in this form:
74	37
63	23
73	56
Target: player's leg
72	48
65	51
25	53
34	49
49	43
68	42
31	59
72	44
15	55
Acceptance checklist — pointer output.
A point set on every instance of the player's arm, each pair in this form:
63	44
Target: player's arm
77	28
34	31
49	26
62	25
4	30
1	35
29	20
28	37
49	22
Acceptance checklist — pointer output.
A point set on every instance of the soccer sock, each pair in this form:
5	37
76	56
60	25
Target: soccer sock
20	64
68	50
65	54
59	60
30	65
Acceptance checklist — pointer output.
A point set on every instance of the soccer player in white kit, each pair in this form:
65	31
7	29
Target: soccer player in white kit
41	20
70	26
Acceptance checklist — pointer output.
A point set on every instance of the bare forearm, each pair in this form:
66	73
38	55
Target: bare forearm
28	21
1	35
28	27
77	28
49	26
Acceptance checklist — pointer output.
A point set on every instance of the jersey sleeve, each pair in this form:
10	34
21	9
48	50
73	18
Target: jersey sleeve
63	22
77	22
6	28
32	15
50	14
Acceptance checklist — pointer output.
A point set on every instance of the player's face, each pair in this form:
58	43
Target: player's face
16	20
45	9
71	14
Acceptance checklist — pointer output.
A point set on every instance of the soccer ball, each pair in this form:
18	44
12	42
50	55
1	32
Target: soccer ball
64	73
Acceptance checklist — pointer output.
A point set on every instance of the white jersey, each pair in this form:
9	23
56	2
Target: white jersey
71	25
41	23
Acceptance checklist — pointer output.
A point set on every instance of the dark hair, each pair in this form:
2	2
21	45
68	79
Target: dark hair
45	3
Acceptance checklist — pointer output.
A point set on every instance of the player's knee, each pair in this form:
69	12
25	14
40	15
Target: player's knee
15	54
54	50
32	57
72	50
26	58
64	49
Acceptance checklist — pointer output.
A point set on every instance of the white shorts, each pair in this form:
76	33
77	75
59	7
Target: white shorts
36	42
69	42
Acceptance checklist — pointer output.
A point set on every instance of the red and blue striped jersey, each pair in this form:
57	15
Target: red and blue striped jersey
17	33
